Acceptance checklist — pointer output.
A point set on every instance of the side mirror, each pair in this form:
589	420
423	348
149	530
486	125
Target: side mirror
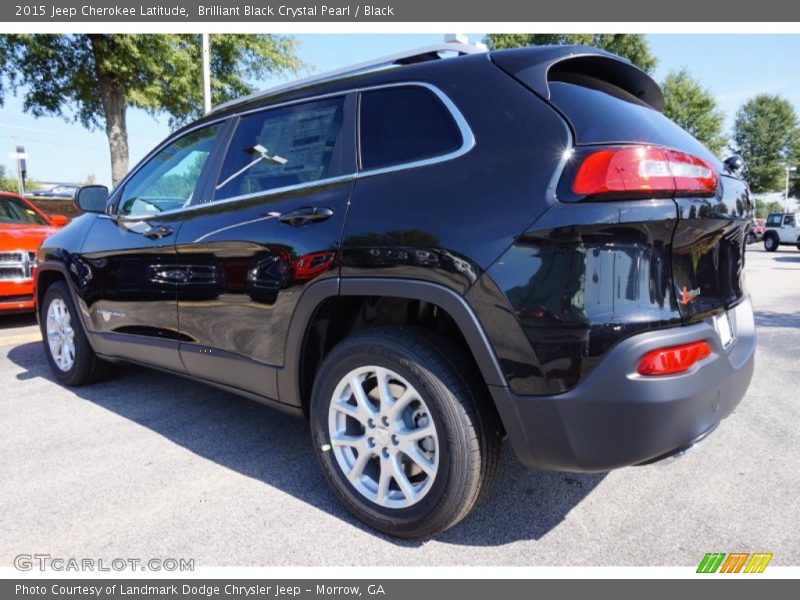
58	220
92	198
734	163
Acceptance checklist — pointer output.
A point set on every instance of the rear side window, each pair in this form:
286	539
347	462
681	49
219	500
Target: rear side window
602	113
285	146
403	125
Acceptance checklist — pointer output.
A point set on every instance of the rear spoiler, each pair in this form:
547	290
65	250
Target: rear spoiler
536	66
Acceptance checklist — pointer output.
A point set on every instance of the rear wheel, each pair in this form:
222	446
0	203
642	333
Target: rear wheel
750	238
770	243
71	358
404	436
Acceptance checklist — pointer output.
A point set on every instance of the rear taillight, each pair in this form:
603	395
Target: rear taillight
673	360
644	169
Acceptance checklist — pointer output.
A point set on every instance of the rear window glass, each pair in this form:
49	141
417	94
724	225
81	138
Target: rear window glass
602	116
403	125
285	146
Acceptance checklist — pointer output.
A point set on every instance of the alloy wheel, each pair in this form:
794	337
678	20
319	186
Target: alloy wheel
383	437
60	334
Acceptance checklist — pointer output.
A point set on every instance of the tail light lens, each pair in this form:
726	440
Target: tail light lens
673	360
644	169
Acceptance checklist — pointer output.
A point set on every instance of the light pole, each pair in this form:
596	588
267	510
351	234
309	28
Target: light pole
786	193
206	74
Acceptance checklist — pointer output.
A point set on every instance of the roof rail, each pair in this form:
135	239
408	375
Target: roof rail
417	55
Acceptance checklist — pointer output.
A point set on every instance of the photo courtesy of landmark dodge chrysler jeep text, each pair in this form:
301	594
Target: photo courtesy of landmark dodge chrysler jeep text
426	255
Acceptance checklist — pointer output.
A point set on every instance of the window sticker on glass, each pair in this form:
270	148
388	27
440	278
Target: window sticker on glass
283	147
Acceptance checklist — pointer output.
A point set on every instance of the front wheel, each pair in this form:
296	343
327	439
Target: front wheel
407	439
770	243
71	358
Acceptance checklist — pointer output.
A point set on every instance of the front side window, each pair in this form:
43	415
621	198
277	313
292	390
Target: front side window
403	125
788	220
292	145
169	179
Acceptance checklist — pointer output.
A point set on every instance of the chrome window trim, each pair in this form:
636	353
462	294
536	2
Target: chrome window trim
467	143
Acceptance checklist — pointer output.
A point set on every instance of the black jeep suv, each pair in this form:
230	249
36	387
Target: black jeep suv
426	255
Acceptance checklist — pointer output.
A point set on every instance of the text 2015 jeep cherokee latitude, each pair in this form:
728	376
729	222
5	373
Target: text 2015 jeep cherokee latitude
427	255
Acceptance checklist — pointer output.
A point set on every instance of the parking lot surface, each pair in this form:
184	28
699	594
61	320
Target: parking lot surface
152	465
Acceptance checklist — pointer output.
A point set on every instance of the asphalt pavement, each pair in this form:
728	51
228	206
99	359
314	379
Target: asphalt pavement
152	465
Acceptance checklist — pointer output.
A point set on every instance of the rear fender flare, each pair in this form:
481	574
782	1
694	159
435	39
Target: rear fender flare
451	302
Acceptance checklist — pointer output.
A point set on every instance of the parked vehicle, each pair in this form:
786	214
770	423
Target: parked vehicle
424	267
756	231
58	191
781	229
22	229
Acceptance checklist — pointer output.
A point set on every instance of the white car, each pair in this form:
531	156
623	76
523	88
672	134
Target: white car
782	229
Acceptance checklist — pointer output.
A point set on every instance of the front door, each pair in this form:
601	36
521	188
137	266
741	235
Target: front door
273	226
129	257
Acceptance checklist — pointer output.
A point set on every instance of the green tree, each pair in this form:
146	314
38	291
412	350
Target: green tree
764	208
695	109
632	46
95	78
8	183
765	134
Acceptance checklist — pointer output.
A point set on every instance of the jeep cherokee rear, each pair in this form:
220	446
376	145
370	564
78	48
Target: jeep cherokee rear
423	258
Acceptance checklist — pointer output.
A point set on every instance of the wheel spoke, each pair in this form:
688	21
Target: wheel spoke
349	410
384	391
363	402
358	468
383	481
400	477
414	453
352	441
401	403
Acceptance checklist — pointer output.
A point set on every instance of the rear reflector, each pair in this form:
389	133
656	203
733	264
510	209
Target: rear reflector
672	360
644	169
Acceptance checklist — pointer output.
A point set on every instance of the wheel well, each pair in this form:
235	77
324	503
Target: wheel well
340	316
44	281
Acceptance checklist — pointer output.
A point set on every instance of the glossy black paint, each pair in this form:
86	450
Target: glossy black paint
449	221
709	249
541	286
583	278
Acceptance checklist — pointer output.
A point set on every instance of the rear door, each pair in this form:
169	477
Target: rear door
271	228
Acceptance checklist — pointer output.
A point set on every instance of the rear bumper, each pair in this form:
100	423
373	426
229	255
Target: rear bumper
16	296
617	418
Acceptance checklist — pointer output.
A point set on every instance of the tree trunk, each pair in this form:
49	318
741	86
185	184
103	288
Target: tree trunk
114	100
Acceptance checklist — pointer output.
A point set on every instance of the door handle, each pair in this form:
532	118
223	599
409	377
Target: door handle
306	214
158	232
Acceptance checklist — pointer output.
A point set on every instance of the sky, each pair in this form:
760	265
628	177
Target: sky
733	67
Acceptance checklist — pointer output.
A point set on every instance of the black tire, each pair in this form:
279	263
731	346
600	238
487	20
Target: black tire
461	411
770	243
86	367
750	238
